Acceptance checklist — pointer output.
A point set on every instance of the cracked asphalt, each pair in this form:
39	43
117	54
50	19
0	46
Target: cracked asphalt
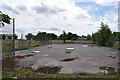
89	57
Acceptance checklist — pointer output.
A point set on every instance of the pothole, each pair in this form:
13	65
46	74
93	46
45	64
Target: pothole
68	52
49	70
24	56
107	69
70	59
92	44
42	69
112	57
20	57
49	46
47	65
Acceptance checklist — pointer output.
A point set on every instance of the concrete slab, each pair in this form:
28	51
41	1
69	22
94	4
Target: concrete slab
89	57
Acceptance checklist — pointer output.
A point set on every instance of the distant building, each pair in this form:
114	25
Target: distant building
82	39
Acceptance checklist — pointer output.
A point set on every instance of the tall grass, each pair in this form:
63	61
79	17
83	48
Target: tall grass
73	41
7	45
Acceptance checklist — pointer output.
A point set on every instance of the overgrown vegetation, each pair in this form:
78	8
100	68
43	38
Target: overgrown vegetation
19	45
30	74
104	36
9	71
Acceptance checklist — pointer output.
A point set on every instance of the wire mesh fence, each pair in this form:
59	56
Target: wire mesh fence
6	33
9	44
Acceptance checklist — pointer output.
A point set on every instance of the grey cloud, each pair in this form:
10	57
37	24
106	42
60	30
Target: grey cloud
22	7
65	18
54	29
51	29
90	24
81	16
69	24
47	10
9	8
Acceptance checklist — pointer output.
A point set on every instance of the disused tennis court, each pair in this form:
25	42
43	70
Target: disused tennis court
84	59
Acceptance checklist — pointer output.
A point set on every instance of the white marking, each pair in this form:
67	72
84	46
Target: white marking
35	51
85	45
70	48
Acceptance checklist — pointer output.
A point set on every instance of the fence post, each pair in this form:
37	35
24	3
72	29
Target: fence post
13	38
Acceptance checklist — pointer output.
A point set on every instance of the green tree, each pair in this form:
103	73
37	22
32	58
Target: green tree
83	36
64	36
103	36
52	36
88	37
74	37
3	36
4	18
29	36
69	36
15	36
95	38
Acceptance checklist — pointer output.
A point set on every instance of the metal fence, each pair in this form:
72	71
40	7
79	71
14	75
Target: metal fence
6	32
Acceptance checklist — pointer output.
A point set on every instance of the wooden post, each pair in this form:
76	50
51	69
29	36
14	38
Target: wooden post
13	38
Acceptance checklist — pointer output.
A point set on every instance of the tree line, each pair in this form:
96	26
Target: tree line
41	36
8	36
51	36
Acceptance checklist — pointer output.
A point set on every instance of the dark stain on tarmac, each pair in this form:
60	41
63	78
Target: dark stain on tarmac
70	59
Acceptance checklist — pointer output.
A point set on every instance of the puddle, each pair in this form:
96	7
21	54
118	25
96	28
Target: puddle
70	59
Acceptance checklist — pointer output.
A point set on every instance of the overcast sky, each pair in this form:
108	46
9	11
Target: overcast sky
54	16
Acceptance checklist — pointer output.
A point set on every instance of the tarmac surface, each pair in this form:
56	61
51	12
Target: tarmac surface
89	57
